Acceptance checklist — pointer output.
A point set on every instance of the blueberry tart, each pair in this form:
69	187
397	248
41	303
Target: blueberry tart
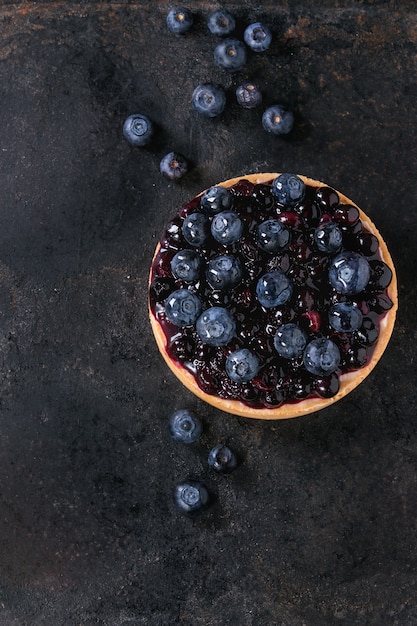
272	295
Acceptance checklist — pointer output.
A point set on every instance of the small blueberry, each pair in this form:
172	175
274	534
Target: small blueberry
216	199
195	229
349	273
186	265
242	365
185	426
182	307
216	326
226	227
278	120
288	189
290	341
345	317
224	272
179	20
209	99
230	55
222	459
328	238
258	37
274	289
191	497
173	166
138	130
221	23
272	236
248	95
321	357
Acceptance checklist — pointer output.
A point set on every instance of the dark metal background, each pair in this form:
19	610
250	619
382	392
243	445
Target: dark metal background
318	524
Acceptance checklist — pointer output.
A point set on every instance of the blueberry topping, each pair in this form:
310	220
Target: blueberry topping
138	129
345	317
222	459
195	229
179	20
272	236
230	55
248	95
191	497
242	365
182	307
216	199
278	120
290	341
209	99
226	227
288	189
349	273
185	426
224	272
216	326
221	23
173	166
186	265
258	37
273	289
321	357
328	238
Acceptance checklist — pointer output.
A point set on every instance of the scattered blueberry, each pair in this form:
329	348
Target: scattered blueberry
182	307
258	37
277	119
242	365
222	459
248	95
186	265
195	229
185	426
173	166
290	341
209	99
321	357
216	199
273	289
345	317
216	326
221	23
288	189
230	55
272	236
179	20
224	272
328	238
349	273
138	129
226	227
191	497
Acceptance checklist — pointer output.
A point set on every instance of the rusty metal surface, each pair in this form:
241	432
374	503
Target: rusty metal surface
318	524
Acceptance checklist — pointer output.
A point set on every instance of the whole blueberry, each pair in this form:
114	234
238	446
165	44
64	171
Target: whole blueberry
321	357
185	426
272	236
345	317
248	95
230	55
179	20
224	272
258	37
242	365
349	273
290	341
173	166
273	289
288	189
216	199
138	129
222	459
186	265
191	497
226	227
328	238
182	307
221	23
216	326
195	229
278	120
209	99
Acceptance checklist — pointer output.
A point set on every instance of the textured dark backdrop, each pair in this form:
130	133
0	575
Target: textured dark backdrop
318	524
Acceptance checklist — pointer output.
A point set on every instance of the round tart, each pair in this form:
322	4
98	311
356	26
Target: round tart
272	295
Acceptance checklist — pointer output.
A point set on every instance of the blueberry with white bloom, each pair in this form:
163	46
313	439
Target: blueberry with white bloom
186	265
290	341
349	273
216	326
258	37
191	497
138	129
274	289
242	365
224	272
230	55
272	236
182	307
278	120
179	20
321	357
216	199
195	229
288	189
328	238
226	227
248	95
173	166
222	459
209	99
185	426
221	23
345	317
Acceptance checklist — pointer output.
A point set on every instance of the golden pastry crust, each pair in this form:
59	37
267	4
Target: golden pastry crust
348	381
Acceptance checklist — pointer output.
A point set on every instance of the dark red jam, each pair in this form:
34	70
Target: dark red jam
279	380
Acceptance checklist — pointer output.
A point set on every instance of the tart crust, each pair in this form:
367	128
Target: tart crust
348	381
